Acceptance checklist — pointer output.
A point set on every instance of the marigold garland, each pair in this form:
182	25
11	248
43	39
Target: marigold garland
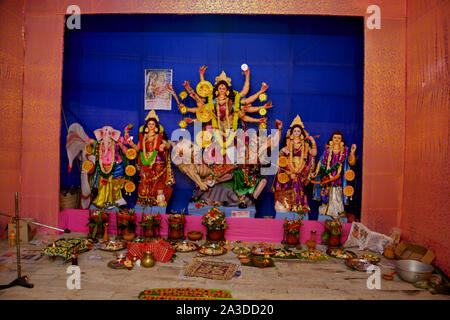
184	294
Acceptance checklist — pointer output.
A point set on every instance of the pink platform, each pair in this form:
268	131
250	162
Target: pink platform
243	229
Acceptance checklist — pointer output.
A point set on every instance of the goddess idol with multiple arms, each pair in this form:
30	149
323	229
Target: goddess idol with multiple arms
220	109
221	106
296	167
153	162
332	175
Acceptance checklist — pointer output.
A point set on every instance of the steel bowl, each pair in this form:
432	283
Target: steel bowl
413	270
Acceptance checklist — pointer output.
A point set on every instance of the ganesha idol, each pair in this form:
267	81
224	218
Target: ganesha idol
108	172
105	162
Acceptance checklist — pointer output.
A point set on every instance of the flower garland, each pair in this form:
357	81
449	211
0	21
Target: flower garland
292	166
184	294
99	168
109	168
149	160
229	140
342	155
324	191
246	180
216	121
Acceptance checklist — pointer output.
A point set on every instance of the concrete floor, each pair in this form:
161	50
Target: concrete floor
288	280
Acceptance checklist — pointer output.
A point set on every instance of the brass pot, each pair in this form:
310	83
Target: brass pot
148	261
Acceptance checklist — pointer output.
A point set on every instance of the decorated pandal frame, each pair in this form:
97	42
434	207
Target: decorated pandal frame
385	129
382	101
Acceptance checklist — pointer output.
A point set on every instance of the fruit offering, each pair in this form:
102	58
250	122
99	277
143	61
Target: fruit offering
340	254
185	246
239	250
312	255
212	250
263	248
370	257
113	246
285	254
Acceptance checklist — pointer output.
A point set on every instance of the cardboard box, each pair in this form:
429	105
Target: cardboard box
27	229
411	251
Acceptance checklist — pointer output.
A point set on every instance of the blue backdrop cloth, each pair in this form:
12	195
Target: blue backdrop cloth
314	66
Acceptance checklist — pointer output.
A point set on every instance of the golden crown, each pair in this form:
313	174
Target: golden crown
223	76
297	121
152	114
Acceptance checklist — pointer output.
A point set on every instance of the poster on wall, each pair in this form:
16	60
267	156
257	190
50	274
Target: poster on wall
156	95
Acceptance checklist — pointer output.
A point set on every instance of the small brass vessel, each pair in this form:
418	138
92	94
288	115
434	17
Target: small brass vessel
148	261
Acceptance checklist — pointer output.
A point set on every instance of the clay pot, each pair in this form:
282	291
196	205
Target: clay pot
216	235
389	252
334	240
175	234
195	235
292	238
128	236
123	217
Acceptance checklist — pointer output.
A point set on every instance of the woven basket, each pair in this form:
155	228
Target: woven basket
71	201
258	263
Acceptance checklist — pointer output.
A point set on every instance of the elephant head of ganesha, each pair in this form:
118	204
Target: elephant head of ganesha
106	135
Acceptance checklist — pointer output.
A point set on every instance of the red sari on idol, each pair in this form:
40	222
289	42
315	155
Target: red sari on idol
156	175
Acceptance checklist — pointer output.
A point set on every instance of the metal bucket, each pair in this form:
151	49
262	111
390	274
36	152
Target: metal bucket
413	270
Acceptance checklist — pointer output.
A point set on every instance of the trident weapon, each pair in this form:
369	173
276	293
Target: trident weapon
21	280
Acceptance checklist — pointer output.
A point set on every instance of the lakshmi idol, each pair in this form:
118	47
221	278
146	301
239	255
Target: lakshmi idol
296	166
333	172
153	163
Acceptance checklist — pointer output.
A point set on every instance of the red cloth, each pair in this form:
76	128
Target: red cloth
161	249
